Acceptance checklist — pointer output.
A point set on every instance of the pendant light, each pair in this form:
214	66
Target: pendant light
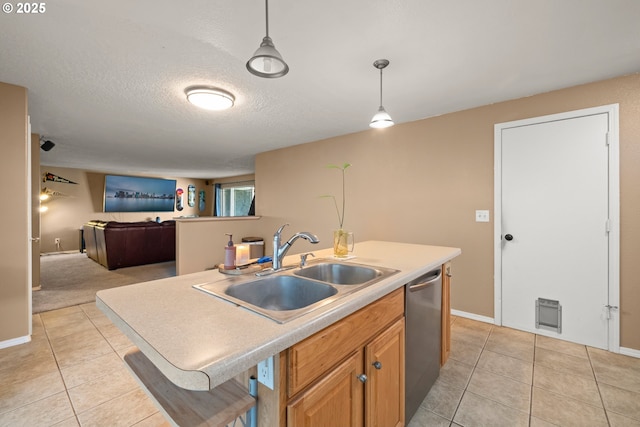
381	119
267	61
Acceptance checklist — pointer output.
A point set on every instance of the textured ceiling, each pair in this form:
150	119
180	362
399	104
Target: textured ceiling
106	79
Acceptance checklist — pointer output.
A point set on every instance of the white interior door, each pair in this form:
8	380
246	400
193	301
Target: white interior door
555	221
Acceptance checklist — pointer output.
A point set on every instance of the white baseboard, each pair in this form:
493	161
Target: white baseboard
623	350
630	352
472	316
15	341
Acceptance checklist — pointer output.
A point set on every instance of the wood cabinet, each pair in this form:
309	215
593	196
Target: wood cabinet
384	388
351	373
336	400
446	314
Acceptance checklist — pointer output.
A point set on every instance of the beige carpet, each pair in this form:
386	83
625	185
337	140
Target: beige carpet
72	279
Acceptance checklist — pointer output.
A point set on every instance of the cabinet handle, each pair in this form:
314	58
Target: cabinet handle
377	365
362	378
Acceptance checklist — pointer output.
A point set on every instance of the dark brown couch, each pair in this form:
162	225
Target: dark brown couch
125	244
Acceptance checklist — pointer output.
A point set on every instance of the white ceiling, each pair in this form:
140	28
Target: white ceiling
106	79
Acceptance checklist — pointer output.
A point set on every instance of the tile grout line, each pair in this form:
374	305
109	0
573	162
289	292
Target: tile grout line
471	375
577	375
595	378
483	349
75	412
64	383
533	373
465	388
121	360
58	370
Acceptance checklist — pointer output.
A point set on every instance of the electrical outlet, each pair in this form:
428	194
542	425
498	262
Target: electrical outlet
482	216
56	240
265	372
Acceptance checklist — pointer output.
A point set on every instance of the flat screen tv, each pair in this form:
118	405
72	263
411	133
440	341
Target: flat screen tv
138	194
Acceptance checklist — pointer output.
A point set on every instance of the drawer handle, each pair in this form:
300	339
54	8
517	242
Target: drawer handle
377	365
362	378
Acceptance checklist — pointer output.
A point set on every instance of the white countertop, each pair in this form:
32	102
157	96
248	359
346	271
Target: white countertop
199	341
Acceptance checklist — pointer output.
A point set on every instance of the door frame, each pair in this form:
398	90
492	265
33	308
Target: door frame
614	210
30	227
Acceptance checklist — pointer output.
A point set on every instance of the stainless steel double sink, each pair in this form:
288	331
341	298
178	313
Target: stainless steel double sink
286	295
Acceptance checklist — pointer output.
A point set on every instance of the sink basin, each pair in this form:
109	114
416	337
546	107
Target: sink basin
281	292
289	294
339	274
279	297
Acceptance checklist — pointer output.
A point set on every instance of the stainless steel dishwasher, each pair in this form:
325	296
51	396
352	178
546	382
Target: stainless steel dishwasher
423	310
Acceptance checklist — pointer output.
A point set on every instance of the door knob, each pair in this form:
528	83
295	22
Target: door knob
362	378
377	365
508	237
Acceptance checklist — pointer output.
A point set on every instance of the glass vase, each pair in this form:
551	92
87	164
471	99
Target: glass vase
343	243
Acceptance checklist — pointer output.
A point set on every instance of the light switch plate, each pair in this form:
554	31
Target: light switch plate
265	372
482	216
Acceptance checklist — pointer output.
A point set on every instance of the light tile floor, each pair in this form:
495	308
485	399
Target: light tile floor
498	376
72	374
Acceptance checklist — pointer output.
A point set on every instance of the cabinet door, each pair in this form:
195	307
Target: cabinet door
336	400
384	394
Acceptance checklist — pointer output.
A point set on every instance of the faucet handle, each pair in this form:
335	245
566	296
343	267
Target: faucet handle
303	258
281	228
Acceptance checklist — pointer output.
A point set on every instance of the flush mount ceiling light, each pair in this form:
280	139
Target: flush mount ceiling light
209	98
381	119
267	61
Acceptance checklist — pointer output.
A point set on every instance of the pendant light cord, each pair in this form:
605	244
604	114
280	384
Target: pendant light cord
266	4
381	87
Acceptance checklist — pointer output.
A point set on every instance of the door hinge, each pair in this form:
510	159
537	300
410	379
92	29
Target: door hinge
607	226
609	307
606	138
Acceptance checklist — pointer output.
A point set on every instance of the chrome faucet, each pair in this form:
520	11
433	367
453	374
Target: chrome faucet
279	251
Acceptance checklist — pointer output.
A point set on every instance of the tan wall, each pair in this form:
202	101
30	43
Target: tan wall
200	242
82	202
15	316
421	182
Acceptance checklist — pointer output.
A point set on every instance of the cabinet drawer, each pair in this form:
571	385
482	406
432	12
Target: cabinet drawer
311	358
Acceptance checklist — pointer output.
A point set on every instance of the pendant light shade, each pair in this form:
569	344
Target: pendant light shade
381	119
267	61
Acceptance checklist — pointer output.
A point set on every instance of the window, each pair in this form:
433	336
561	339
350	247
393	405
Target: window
234	199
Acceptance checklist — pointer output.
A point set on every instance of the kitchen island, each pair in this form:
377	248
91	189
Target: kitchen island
199	341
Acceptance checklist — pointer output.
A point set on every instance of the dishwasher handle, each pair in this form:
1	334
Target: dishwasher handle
424	282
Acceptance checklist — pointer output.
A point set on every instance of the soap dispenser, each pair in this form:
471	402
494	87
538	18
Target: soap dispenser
229	254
